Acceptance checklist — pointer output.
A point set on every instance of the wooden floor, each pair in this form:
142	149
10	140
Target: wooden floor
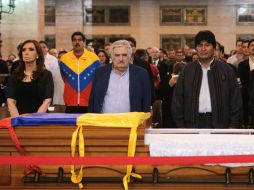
107	186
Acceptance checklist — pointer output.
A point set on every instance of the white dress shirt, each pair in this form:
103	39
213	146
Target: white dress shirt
251	64
51	64
204	96
117	98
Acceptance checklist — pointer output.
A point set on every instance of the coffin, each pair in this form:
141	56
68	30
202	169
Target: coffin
55	140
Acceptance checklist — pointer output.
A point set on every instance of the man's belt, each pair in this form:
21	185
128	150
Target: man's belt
205	115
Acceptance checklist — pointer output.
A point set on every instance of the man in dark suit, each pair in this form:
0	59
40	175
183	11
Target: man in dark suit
251	87
15	62
244	69
3	72
120	87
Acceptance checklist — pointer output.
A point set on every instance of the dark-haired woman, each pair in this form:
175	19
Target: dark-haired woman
103	56
31	87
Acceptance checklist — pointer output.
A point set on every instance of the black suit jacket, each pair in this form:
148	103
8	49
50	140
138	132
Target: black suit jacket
3	70
144	64
251	98
244	74
3	67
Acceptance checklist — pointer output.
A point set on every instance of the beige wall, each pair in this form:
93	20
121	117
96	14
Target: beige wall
28	22
145	21
25	23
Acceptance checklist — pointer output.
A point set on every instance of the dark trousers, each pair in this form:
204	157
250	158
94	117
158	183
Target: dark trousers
76	109
167	119
205	121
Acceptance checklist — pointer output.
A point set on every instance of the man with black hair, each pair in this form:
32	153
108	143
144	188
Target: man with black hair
140	58
207	94
219	54
133	45
244	69
77	68
241	46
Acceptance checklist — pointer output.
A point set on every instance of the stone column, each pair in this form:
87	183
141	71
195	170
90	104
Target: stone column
149	25
69	18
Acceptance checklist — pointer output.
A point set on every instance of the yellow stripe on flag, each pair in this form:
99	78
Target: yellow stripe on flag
120	120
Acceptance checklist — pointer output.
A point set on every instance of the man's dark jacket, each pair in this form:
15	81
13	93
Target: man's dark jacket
3	70
139	87
251	98
244	74
225	95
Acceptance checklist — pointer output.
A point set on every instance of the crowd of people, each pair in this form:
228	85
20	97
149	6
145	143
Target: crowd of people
199	88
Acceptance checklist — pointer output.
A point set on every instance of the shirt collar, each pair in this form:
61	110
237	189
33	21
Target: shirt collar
250	61
47	56
209	64
117	73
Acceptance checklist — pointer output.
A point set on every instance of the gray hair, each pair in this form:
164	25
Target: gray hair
120	43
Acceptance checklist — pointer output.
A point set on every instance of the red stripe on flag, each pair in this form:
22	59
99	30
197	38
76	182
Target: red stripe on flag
124	160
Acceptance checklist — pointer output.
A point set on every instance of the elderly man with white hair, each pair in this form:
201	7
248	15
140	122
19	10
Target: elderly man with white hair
120	87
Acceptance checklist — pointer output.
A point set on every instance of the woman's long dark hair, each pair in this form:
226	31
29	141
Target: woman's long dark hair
106	55
19	72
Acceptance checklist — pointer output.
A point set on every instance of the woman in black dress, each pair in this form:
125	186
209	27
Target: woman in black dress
31	87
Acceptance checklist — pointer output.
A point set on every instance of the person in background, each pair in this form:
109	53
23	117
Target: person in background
180	57
31	87
188	55
238	56
103	56
77	68
171	54
133	45
141	60
120	87
11	57
245	49
207	94
195	57
90	47
168	119
232	52
163	55
51	64
251	82
107	48
148	50
53	52
219	54
244	72
155	55
60	54
171	59
16	61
